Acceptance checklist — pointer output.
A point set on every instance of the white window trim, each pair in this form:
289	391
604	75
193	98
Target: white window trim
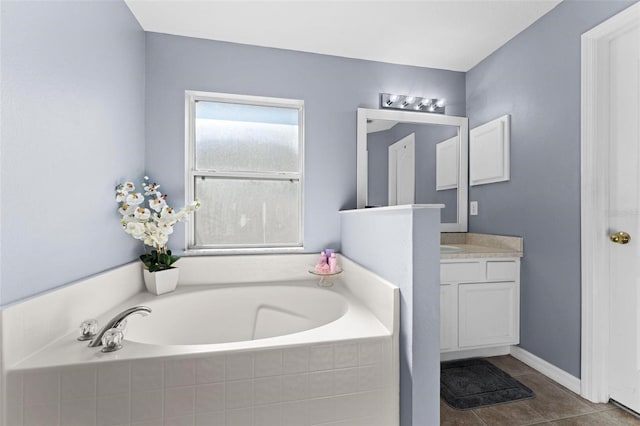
190	100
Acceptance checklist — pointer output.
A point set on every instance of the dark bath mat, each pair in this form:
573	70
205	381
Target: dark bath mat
473	383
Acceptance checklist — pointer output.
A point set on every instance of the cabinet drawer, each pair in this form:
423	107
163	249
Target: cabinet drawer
462	272
505	270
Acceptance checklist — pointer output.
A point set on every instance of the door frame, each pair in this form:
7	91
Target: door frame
594	170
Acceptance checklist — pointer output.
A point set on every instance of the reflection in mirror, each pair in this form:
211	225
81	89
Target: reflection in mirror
414	158
402	165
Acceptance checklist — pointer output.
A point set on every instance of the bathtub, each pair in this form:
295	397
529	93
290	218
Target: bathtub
226	314
284	353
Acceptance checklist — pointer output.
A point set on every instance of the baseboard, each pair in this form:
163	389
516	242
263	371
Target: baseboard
551	371
475	353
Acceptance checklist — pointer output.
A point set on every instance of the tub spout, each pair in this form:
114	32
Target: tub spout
116	321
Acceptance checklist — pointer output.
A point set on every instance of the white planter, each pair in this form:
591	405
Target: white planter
161	282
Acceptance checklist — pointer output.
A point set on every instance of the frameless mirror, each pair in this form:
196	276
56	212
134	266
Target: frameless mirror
409	157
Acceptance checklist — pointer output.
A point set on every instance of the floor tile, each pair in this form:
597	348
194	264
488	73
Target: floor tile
510	365
553	405
552	401
509	414
615	417
452	417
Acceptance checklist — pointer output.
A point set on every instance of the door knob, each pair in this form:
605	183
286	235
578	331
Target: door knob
620	237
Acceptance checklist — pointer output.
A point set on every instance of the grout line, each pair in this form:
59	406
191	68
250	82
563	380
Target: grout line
479	418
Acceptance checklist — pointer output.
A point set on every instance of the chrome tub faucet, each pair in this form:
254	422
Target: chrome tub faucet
117	321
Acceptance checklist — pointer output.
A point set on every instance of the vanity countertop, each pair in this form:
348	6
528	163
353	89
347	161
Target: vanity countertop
472	245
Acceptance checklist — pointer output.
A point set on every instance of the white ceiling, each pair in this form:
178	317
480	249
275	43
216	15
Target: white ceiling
447	34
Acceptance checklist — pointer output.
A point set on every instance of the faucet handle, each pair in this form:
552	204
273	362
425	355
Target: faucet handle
112	340
88	329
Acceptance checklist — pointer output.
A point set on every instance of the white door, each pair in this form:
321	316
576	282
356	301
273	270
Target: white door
624	216
402	171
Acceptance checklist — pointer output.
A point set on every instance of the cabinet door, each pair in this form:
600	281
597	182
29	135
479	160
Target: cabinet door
488	314
448	317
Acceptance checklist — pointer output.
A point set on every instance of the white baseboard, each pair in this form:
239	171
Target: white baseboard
475	353
551	371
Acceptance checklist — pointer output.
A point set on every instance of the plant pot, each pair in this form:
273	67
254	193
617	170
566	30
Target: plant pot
161	282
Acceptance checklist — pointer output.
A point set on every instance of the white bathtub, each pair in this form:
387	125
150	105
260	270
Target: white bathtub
285	353
225	314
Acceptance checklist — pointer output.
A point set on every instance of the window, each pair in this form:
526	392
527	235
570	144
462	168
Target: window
245	167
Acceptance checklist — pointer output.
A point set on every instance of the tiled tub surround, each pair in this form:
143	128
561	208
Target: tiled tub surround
341	383
349	377
480	245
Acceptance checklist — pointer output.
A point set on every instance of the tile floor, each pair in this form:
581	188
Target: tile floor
553	405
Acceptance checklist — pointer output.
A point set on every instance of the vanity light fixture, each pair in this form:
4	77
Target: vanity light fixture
432	105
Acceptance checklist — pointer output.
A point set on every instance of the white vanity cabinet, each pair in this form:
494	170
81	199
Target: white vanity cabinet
479	303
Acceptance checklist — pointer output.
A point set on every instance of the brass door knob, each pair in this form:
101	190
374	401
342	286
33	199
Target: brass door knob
620	238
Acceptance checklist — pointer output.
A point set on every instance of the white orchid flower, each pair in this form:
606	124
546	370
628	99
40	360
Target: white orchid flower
135	198
157	204
152	225
142	214
121	196
126	209
165	228
152	189
136	229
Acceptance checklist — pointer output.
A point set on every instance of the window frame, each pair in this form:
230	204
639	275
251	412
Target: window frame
191	98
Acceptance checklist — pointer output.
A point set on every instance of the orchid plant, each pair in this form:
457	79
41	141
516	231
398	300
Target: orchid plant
151	225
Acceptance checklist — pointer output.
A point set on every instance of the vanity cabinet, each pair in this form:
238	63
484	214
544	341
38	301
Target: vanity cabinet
479	303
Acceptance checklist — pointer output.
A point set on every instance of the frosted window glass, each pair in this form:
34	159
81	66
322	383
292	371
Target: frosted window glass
236	138
246	212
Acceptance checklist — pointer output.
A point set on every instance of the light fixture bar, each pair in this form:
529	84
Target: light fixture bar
412	103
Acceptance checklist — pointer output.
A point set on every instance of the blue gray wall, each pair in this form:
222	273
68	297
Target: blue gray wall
536	78
331	87
405	250
72	127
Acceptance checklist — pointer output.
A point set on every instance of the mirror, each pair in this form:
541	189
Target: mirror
406	157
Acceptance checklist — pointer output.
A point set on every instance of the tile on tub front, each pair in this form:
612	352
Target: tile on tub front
41	415
114	378
321	357
13	413
321	410
77	383
146	405
179	372
239	366
188	420
268	363
210	397
78	412
295	413
295	360
370	352
268	415
295	387
239	394
321	384
210	369
267	390
211	419
147	375
41	387
240	417
114	409
345	381
368	377
179	401
345	355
